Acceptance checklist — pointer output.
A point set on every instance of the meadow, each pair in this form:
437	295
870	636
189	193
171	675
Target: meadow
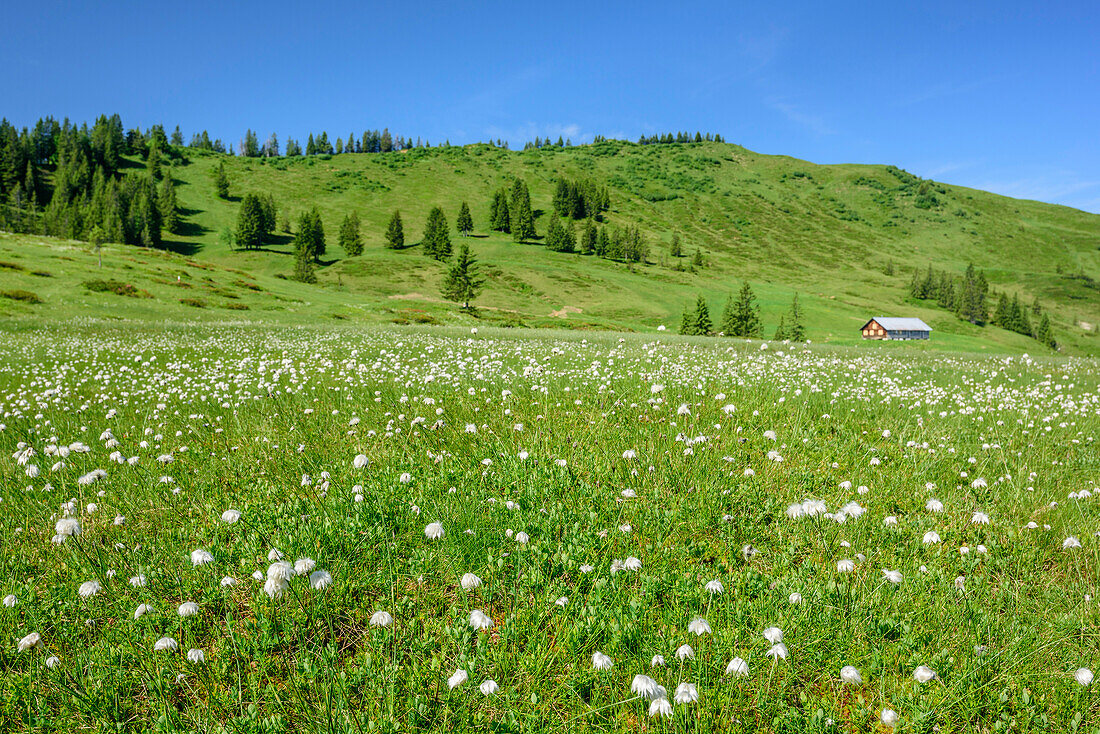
254	529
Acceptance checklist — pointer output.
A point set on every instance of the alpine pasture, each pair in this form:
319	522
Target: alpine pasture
248	528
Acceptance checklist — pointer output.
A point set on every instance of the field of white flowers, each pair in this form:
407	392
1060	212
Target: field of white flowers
263	530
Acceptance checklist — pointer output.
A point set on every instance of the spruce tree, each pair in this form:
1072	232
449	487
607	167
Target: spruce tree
728	322
795	331
520	214
1045	334
745	321
221	181
676	249
781	333
304	269
588	237
703	325
437	237
555	235
499	220
395	232
697	259
350	238
462	283
250	229
687	323
169	207
465	221
310	237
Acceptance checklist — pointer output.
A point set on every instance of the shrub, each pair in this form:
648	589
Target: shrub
193	302
24	296
117	287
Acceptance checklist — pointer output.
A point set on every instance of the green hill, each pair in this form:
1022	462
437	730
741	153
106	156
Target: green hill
846	238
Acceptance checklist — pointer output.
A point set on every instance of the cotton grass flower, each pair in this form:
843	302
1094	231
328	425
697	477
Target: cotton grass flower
699	627
457	678
773	635
686	693
201	557
29	642
188	609
845	566
320	579
381	619
433	531
894	577
778	652
849	674
923	674
737	668
715	587
10	601
67	527
479	620
142	610
470	581
360	461
231	516
601	661
488	687
53	661
1071	542
931	538
196	656
657	661
889	718
685	652
660	707
303	566
1083	676
89	589
644	686
166	644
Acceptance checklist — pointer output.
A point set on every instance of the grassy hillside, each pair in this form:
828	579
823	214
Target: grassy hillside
846	238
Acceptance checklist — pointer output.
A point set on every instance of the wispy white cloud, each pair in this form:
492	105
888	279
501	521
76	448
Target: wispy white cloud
813	122
1056	187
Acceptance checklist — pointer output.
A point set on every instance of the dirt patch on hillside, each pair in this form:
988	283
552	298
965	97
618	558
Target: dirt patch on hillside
564	312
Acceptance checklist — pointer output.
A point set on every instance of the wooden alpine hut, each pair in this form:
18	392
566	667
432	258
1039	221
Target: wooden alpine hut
885	327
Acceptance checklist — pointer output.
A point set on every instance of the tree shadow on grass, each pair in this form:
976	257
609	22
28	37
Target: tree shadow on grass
180	248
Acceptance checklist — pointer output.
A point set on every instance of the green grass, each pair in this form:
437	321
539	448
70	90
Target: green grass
828	233
608	446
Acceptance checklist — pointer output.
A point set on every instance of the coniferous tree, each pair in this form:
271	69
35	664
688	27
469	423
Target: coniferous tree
395	232
561	199
781	333
499	216
462	283
795	330
310	237
169	207
687	322
304	269
555	235
350	239
221	181
437	236
744	318
588	237
250	223
676	249
522	219
697	259
603	243
702	322
1045	334
465	221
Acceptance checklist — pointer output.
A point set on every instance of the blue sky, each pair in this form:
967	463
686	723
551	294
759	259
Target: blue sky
1002	96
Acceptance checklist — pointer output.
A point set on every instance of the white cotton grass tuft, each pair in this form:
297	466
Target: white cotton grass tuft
923	674
201	557
381	619
773	635
479	620
1083	676
457	678
470	581
10	601
166	644
660	707
29	642
686	693
231	516
849	674
889	718
360	461
196	656
434	531
685	652
601	661
778	652
89	589
657	661
699	627
320	579
188	609
488	687
738	668
303	566
142	610
644	686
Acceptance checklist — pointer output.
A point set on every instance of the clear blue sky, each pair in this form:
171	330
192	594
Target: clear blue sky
1003	96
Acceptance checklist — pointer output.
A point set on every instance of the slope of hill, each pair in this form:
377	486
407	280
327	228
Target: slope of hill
847	238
